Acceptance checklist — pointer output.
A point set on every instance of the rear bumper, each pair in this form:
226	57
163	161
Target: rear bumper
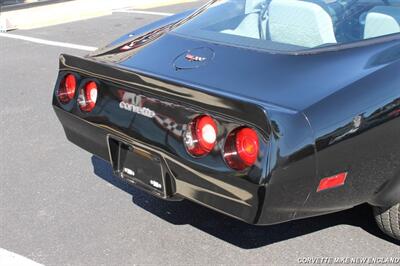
238	198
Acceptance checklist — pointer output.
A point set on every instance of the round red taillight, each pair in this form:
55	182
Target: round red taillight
66	91
201	135
88	96
241	148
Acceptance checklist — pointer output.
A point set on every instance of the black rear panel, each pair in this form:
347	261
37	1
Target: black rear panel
152	115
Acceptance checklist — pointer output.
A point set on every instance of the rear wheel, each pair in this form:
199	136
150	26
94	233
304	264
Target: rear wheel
388	220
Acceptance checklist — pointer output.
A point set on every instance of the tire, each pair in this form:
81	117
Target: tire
388	220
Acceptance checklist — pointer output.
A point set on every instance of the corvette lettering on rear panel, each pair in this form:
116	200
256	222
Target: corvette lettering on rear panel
137	109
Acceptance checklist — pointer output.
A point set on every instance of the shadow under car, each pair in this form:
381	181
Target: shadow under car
236	232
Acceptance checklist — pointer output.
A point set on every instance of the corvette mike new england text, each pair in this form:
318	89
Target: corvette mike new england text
349	260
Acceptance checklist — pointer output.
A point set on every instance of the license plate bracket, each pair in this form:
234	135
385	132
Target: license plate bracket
139	167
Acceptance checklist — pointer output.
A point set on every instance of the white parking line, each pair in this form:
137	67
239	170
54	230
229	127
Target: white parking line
47	42
143	12
78	46
12	259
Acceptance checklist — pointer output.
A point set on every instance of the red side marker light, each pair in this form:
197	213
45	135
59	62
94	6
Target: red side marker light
332	182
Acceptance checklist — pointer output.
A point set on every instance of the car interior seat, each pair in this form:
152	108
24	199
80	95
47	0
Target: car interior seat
300	23
249	26
382	20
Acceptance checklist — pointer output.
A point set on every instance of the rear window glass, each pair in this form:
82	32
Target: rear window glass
294	25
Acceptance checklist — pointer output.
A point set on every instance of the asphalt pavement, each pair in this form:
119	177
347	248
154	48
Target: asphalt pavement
59	205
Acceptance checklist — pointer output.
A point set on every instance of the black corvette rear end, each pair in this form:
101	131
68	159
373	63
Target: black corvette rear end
262	135
140	119
138	125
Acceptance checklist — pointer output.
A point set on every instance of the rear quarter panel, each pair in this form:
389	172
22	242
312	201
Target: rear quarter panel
357	130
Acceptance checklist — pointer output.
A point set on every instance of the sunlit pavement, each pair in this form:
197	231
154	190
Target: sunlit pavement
61	206
70	11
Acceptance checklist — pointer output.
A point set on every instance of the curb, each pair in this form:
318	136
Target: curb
6	25
30	4
69	11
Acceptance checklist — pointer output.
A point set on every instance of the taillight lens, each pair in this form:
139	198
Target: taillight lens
201	135
241	148
88	96
66	91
